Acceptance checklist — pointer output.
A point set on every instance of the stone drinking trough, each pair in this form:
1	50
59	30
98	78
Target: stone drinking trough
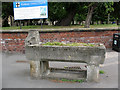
40	55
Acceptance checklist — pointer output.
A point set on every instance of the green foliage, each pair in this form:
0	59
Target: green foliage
102	11
116	12
60	10
109	7
56	11
81	12
7	9
80	17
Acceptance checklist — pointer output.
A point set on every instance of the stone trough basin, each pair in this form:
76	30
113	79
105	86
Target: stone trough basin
40	55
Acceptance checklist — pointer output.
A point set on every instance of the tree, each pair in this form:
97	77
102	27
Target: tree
65	12
79	17
56	11
70	13
102	11
116	12
7	9
91	8
109	9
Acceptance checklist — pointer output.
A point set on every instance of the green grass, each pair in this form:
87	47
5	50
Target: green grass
58	27
67	80
101	72
39	27
104	26
68	44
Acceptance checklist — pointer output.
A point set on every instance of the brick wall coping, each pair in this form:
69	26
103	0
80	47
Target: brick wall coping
62	30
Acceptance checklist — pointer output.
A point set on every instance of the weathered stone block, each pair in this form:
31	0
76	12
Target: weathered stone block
40	55
32	38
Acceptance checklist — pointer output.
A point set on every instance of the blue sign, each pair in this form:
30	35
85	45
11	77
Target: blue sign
30	9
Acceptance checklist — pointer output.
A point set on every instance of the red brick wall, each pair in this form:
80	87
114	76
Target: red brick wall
14	42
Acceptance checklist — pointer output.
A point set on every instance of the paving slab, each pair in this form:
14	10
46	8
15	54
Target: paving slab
17	74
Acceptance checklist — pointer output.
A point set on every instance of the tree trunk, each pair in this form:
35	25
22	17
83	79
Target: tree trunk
108	22
53	23
89	17
117	22
44	20
97	23
91	22
67	20
5	22
102	22
72	22
28	23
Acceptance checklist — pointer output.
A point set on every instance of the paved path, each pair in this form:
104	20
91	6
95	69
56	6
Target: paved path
16	74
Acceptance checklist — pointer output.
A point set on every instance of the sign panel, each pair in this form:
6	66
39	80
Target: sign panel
30	10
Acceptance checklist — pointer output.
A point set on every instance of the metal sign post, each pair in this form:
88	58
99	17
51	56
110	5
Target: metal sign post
20	25
41	23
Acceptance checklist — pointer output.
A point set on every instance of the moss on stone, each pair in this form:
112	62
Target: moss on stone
68	44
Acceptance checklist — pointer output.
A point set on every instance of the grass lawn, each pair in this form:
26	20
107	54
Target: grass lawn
104	26
58	27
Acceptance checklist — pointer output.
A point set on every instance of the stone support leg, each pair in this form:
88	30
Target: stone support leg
38	68
35	69
44	65
93	73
